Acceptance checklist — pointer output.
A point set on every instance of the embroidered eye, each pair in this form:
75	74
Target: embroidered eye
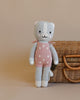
50	32
39	31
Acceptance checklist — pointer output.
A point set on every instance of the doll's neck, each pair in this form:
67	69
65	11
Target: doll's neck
43	41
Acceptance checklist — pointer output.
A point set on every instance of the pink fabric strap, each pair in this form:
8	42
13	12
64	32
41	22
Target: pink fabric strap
35	41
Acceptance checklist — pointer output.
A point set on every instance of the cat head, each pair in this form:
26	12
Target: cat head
44	31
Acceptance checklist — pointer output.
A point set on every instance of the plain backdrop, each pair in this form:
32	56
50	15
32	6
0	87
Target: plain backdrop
17	19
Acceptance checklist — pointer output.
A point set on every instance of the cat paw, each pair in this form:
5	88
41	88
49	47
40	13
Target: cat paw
31	61
38	84
44	83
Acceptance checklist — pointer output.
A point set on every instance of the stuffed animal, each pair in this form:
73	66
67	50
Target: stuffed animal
43	52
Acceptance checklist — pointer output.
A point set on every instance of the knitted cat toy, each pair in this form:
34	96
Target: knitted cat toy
43	52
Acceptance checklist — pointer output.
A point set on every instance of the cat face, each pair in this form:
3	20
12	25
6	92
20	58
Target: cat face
44	31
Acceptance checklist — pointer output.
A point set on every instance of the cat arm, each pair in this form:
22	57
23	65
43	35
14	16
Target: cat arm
32	54
54	55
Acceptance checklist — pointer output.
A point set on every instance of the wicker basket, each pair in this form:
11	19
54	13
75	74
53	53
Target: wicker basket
68	69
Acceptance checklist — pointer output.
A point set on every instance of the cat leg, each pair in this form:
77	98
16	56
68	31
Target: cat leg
45	77
38	76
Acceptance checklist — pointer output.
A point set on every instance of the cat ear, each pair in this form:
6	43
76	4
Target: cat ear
36	22
53	25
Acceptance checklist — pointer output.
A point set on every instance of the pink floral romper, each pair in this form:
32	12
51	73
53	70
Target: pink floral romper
43	56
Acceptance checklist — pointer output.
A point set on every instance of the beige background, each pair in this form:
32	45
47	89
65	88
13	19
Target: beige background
17	19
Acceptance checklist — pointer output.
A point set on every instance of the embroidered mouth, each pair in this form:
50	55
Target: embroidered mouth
44	36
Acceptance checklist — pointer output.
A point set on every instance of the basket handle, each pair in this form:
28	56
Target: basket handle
67	65
66	76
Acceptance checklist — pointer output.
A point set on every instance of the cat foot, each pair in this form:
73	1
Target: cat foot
38	84
44	83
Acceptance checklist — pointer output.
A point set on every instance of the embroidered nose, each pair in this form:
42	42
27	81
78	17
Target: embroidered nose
44	35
